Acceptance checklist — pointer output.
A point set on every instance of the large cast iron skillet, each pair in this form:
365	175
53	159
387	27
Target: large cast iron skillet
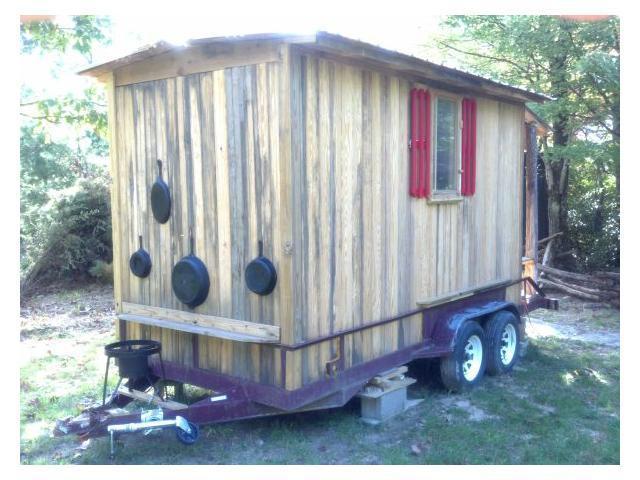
190	279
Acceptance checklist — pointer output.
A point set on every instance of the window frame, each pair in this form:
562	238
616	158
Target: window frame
452	194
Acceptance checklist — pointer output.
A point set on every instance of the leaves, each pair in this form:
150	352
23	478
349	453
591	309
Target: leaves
60	137
47	36
577	63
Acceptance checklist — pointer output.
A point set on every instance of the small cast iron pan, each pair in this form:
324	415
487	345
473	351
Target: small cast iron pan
160	198
140	261
190	279
260	275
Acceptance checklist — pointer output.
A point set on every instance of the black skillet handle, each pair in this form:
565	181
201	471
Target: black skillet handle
159	168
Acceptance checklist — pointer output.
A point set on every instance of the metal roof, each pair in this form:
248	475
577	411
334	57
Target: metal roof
354	50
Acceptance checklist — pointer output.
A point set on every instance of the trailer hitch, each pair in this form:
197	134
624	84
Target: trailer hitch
186	432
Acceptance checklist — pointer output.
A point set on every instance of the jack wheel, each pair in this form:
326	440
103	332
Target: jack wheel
188	438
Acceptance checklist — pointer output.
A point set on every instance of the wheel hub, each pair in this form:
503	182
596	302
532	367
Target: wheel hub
508	343
472	358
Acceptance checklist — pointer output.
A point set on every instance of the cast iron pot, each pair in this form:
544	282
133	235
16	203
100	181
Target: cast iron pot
160	198
190	279
140	261
260	275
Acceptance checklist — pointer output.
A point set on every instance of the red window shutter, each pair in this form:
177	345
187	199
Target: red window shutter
468	186
413	176
420	178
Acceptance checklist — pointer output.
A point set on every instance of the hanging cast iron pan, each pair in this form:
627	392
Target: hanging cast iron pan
140	261
160	198
260	275
190	279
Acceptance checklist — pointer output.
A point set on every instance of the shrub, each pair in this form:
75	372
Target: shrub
74	237
102	271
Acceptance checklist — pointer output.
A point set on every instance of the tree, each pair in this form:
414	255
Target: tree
576	63
60	136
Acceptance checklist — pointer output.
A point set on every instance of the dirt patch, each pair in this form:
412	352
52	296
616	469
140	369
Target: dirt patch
474	414
588	322
65	313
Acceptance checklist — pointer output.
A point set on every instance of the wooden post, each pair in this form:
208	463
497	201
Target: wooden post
531	197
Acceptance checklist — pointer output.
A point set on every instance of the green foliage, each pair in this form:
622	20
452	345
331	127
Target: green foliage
74	233
594	208
102	271
65	219
577	64
49	36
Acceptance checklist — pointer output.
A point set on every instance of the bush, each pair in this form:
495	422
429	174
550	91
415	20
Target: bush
102	271
75	236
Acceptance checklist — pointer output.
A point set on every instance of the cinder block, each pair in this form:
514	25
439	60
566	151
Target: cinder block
377	406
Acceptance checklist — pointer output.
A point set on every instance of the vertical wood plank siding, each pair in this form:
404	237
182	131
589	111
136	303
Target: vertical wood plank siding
365	250
216	134
311	156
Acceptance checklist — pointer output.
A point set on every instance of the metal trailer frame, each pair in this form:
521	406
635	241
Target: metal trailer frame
238	398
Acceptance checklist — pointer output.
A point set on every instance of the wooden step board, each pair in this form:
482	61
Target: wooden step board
147	397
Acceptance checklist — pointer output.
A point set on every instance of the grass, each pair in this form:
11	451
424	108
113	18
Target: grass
559	406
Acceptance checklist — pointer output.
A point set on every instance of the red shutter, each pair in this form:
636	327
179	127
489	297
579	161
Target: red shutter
420	178
468	186
413	178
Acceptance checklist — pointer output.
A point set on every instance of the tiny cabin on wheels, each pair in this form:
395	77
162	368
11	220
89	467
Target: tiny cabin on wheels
294	214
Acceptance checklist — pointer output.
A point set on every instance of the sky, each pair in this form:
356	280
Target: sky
132	32
129	32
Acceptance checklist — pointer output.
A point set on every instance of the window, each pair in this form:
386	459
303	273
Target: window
445	145
442	145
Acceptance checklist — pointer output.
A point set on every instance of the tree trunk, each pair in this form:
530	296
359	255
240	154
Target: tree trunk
557	164
557	176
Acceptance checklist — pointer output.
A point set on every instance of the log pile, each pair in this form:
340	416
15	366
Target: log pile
596	287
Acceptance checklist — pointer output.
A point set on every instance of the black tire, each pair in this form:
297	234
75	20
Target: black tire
494	330
451	367
188	438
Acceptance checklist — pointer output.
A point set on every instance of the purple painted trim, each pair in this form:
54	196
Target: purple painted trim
288	400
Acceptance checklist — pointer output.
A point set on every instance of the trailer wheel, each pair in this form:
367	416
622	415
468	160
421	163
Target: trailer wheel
464	368
503	339
188	438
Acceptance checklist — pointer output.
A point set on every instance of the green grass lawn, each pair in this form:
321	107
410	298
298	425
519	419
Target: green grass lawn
560	406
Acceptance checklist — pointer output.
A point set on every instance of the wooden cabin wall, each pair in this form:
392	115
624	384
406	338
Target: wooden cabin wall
310	154
218	136
364	250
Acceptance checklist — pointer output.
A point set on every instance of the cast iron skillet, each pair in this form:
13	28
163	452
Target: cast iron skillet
140	261
160	198
190	279
260	275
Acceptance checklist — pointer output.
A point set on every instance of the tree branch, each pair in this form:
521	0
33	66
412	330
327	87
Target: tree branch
481	55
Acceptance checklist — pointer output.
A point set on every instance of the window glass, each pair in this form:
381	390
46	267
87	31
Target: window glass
445	144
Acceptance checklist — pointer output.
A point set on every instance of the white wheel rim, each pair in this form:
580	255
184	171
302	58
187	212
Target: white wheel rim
472	358
508	344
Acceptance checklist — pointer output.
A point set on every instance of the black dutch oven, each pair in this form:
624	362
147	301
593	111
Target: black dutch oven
140	261
190	279
260	275
160	198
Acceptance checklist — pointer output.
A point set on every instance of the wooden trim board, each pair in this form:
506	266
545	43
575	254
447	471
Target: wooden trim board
202	58
432	302
209	325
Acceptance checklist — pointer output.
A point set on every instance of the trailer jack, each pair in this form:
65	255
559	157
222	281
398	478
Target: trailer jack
186	432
